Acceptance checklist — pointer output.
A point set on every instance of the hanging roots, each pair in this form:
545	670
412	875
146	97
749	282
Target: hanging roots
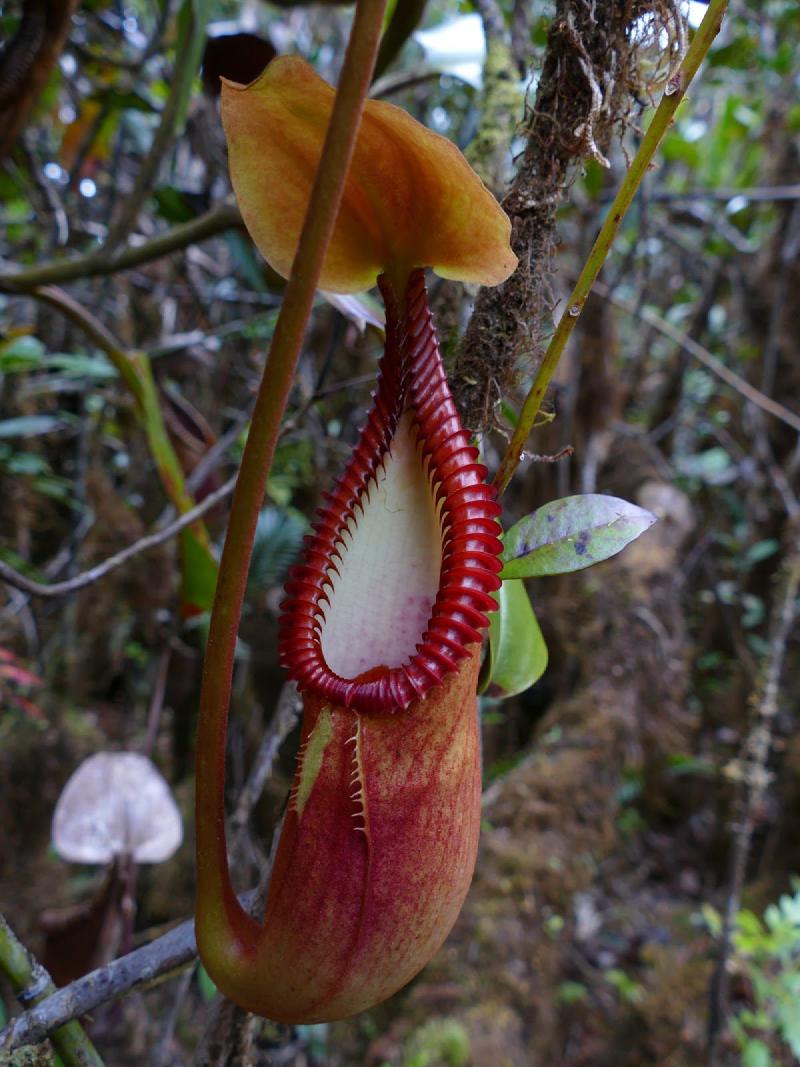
602	61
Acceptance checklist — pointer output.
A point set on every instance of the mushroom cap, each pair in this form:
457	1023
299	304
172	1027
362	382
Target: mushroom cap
116	803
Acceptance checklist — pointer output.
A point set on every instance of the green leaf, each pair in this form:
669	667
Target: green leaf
279	537
76	365
119	100
245	261
680	763
749	924
713	466
173	204
756	1054
571	534
712	919
789	1018
742	53
761	550
199	573
517	655
401	21
20	354
27	463
193	17
571	993
626	987
205	984
594	178
30	425
199	568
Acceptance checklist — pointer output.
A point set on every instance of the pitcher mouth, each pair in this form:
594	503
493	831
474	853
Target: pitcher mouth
397	576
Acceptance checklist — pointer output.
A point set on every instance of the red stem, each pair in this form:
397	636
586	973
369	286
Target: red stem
217	907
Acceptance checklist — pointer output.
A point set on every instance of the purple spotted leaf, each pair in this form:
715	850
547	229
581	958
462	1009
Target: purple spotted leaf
571	534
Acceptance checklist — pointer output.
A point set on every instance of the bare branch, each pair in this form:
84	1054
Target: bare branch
139	969
766	193
31	984
71	585
709	361
282	724
225	216
97	333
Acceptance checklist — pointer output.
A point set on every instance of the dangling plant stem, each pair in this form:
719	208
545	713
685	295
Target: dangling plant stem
212	873
675	91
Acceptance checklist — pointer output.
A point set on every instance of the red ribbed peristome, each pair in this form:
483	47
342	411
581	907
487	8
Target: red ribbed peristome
411	377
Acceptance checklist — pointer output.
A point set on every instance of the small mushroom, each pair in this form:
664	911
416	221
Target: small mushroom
115	811
116	804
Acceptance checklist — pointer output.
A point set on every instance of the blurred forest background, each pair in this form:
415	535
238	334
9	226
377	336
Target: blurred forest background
635	900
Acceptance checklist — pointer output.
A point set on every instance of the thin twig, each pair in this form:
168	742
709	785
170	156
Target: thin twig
776	472
100	570
210	458
139	969
188	50
752	768
97	333
50	196
212	338
157	701
702	355
161	1056
399	81
677	86
787	256
32	984
135	370
521	18
283	722
89	55
765	193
